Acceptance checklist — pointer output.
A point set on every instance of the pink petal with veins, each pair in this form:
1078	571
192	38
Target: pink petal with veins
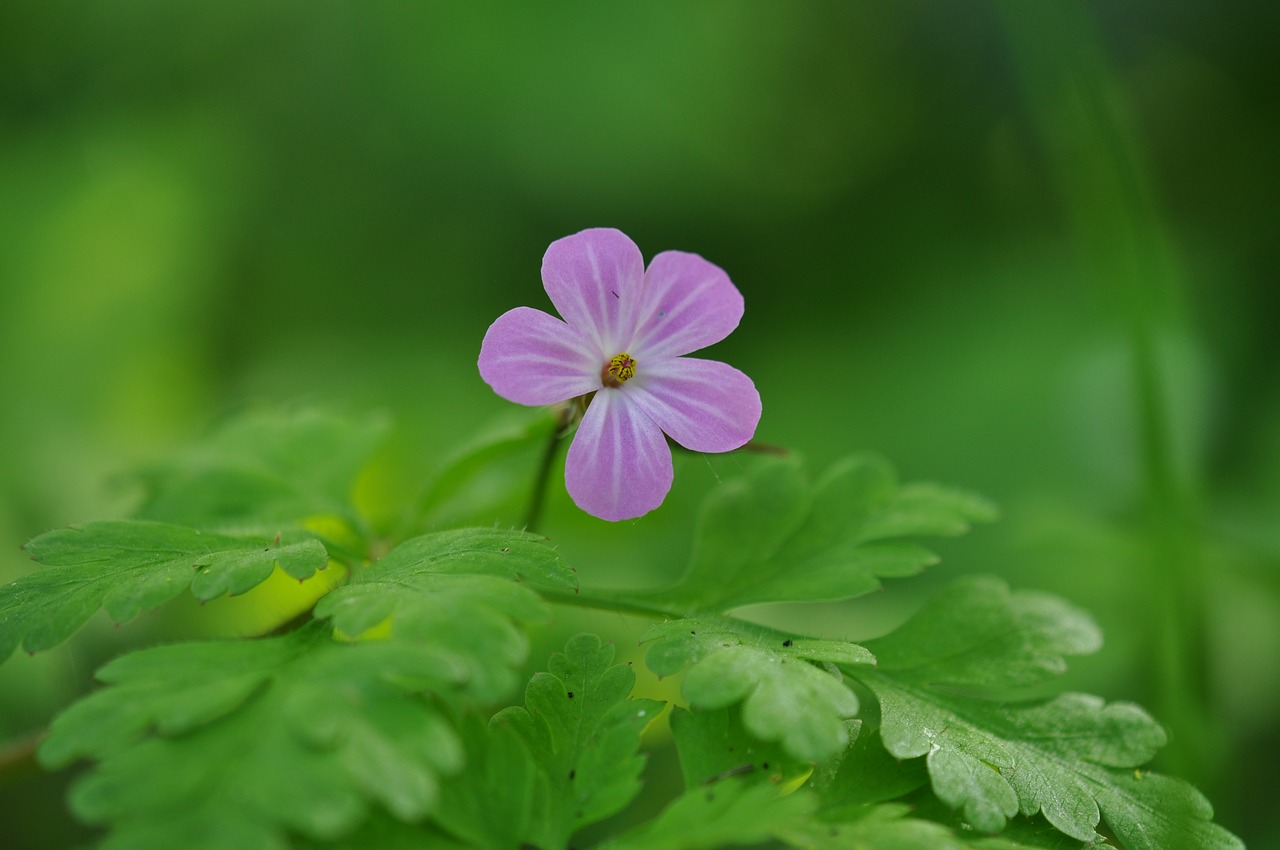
619	465
594	279
533	358
688	304
703	405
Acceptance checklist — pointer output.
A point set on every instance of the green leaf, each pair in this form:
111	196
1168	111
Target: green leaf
714	745
264	469
979	634
383	832
584	734
771	536
1148	811
492	805
465	589
1021	833
892	826
785	697
883	827
730	813
1070	758
237	744
130	566
865	774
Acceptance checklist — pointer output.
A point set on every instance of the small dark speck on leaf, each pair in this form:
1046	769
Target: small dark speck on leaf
570	695
573	774
505	549
787	642
764	765
692	632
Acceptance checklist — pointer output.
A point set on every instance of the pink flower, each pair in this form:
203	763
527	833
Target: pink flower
622	340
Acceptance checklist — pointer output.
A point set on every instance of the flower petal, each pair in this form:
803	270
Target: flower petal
594	278
703	405
619	465
533	358
688	304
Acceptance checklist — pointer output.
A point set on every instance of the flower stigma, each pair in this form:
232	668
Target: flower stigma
620	369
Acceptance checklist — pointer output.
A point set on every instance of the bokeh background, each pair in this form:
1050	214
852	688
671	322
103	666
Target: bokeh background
1029	249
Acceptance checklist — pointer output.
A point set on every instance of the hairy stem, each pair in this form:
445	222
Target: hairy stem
538	495
619	603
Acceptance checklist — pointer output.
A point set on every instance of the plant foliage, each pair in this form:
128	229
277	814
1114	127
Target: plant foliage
391	716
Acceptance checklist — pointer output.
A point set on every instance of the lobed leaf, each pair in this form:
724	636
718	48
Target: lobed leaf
238	744
465	588
979	634
784	696
865	774
584	734
264	469
771	536
898	826
492	805
1070	758
882	827
715	745
727	814
130	566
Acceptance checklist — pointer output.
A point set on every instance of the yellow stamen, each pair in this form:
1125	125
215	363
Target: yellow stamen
620	369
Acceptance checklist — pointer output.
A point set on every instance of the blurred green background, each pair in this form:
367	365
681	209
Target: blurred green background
1029	249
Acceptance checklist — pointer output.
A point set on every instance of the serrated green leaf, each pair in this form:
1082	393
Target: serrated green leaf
785	697
727	814
865	774
898	826
883	827
1066	758
714	745
237	744
264	469
584	734
771	536
977	633
130	566
465	588
1020	834
1148	811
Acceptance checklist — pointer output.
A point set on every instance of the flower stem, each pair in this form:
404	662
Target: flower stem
617	604
538	496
